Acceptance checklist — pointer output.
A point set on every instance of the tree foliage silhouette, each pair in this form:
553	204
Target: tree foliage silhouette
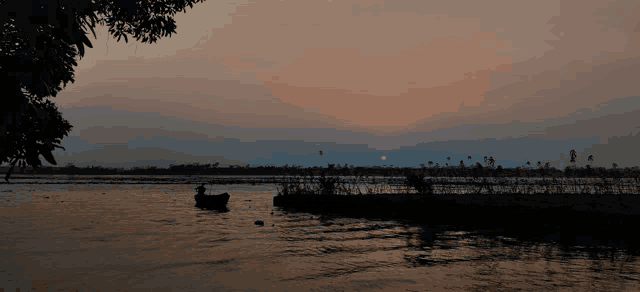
39	44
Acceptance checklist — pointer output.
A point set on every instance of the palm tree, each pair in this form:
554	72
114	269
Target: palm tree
322	154
491	161
528	164
573	155
430	163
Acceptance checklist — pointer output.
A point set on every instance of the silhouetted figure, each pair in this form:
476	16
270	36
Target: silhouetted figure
201	189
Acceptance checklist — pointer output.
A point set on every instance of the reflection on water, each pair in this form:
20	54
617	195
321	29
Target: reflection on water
136	237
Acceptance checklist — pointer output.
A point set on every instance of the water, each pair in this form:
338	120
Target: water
134	237
442	185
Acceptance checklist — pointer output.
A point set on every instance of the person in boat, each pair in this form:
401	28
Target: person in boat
201	189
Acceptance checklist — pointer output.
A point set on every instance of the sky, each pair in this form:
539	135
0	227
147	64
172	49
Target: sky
273	82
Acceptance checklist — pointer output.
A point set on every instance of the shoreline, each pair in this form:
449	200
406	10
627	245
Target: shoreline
415	206
606	204
531	220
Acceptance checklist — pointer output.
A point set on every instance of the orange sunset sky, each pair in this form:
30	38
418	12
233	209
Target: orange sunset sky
384	75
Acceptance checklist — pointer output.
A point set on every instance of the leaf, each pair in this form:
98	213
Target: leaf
92	16
47	142
86	41
33	161
6	177
80	49
126	40
46	153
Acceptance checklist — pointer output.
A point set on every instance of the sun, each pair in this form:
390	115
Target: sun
383	158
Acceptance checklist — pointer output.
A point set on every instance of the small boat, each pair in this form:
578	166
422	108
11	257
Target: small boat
212	200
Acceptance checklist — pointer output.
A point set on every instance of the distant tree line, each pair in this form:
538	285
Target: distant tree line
477	170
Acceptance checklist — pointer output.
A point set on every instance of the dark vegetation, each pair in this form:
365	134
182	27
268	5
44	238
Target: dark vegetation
350	180
296	170
40	41
485	179
430	195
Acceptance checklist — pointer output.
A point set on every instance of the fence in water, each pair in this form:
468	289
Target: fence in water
456	185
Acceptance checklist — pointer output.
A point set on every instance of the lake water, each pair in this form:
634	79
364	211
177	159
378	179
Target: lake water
150	237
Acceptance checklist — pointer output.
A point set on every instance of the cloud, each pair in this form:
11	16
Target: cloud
386	74
225	102
386	65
